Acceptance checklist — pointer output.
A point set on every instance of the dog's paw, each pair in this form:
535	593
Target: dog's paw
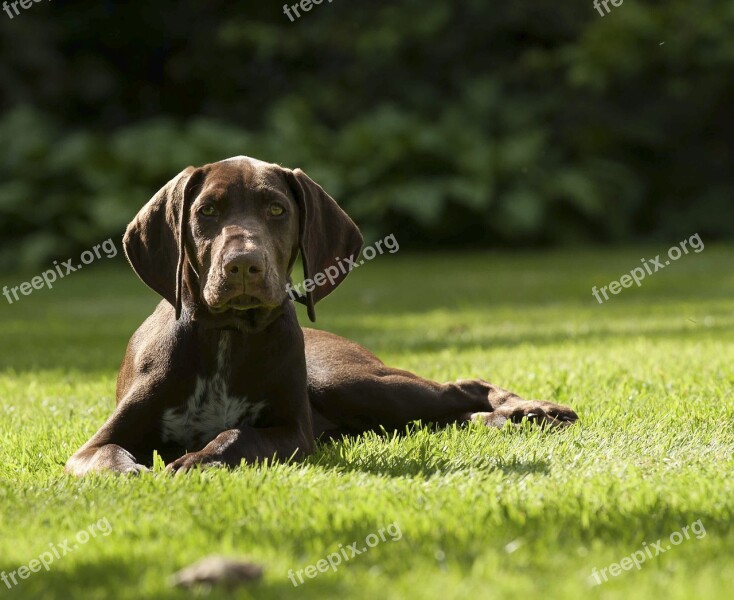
117	459
193	460
134	469
110	458
545	414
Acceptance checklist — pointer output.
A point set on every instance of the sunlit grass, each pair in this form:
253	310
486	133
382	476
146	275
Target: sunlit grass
482	513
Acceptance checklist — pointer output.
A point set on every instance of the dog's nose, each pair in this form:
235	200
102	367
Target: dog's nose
249	264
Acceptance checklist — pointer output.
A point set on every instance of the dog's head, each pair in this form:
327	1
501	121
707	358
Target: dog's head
220	241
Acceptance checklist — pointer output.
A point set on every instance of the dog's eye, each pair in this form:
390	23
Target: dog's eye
276	210
208	210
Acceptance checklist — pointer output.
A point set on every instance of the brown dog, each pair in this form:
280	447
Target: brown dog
221	371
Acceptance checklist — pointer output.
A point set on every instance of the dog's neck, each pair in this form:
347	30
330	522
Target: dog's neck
224	352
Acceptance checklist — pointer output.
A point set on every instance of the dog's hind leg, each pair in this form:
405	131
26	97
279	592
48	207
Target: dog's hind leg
351	390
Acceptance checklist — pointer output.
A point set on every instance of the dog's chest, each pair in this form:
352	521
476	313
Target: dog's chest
210	409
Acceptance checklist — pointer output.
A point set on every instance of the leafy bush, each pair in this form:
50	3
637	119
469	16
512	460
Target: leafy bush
447	124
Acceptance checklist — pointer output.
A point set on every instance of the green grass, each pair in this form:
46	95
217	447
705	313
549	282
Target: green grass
483	513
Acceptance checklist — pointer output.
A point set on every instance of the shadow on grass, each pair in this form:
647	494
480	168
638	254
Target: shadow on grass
413	455
87	356
113	578
415	467
509	341
82	580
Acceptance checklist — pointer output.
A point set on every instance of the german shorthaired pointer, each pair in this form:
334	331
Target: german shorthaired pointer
222	372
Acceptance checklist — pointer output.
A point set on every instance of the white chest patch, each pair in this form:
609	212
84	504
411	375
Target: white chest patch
210	409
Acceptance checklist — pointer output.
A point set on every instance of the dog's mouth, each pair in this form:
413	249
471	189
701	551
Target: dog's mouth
241	304
244	312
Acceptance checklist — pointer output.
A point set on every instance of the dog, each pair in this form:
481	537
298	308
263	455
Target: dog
221	372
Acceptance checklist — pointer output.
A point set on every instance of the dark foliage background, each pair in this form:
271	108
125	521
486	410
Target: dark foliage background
462	123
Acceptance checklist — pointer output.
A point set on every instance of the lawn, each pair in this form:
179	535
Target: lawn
481	513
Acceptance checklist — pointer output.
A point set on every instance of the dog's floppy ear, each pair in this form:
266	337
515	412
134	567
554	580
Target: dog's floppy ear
327	234
154	240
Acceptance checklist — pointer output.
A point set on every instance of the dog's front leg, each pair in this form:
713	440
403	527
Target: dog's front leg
250	444
111	448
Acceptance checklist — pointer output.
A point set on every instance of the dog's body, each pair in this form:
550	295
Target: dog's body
222	372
